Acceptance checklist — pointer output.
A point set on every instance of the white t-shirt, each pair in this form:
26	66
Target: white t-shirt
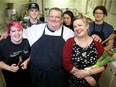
36	31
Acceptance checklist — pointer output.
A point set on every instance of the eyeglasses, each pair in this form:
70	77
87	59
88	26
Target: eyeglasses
99	13
56	17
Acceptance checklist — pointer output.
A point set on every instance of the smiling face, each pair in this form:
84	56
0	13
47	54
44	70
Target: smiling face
33	13
67	19
15	31
54	19
16	35
99	15
80	28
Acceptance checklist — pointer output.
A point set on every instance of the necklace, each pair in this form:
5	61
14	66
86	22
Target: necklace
83	46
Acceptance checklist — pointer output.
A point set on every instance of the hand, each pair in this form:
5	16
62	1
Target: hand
14	68
90	80
4	36
82	73
23	65
96	38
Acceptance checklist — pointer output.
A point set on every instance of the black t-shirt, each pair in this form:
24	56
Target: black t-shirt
10	52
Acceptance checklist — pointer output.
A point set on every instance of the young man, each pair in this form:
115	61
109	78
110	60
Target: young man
33	12
101	29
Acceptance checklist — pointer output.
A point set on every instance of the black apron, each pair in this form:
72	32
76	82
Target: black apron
99	33
47	62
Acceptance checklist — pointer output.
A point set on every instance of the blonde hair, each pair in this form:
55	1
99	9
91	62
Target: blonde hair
82	17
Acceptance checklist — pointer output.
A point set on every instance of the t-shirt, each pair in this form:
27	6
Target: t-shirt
107	28
10	52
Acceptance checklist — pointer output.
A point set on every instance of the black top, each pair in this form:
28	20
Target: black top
9	53
27	24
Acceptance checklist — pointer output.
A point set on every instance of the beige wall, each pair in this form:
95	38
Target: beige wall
19	5
84	6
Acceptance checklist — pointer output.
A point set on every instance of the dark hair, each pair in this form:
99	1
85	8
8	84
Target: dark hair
33	5
101	8
69	13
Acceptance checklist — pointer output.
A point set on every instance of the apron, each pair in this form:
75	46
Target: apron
99	33
47	62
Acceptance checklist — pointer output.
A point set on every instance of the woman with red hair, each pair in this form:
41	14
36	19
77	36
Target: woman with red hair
14	56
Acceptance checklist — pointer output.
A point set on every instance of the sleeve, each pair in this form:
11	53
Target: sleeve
67	52
1	45
111	29
68	33
90	28
100	50
26	49
108	30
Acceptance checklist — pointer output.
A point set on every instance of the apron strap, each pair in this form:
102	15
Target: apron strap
101	27
61	31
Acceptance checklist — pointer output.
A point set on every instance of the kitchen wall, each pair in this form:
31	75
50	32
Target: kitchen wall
3	18
18	5
84	6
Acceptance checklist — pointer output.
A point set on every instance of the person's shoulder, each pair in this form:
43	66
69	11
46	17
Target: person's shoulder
39	25
66	29
36	27
25	40
40	22
68	33
5	41
97	43
91	23
2	41
70	39
108	25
